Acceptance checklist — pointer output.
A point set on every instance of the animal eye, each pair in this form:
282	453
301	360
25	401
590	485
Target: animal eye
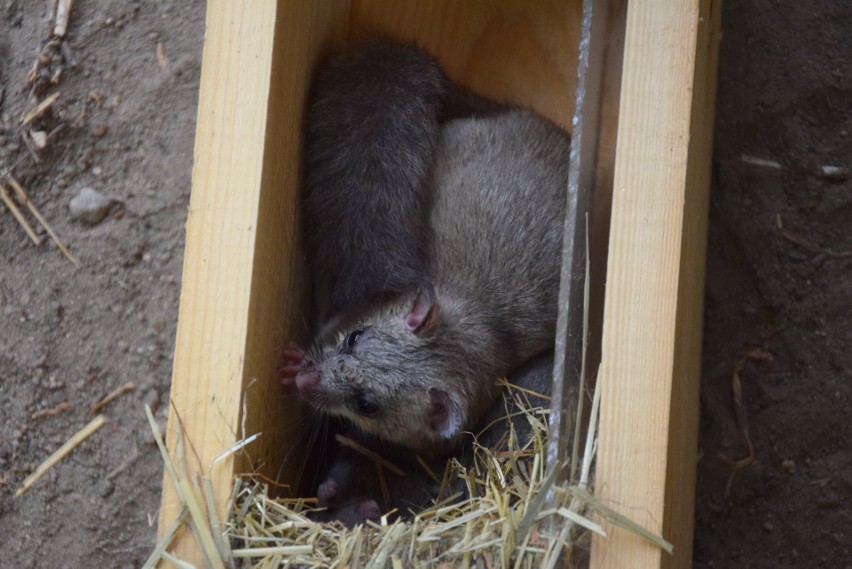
352	339
365	406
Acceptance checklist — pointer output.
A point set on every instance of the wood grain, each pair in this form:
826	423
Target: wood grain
242	276
510	50
679	520
243	284
652	324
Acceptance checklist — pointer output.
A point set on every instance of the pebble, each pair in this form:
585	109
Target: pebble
89	206
834	174
105	488
53	384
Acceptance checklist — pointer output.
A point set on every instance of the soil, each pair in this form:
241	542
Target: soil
777	301
71	334
780	299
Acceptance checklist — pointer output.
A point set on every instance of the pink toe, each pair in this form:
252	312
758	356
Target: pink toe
307	379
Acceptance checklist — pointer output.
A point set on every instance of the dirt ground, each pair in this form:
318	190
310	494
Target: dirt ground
75	334
785	94
777	300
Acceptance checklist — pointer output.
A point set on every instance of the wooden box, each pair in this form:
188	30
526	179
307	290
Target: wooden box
243	282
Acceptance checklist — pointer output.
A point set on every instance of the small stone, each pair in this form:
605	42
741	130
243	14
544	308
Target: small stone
105	488
53	384
834	174
97	171
769	526
788	465
89	206
99	131
39	138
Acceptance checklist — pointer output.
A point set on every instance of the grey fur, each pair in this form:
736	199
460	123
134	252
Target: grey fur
371	132
354	476
497	217
490	189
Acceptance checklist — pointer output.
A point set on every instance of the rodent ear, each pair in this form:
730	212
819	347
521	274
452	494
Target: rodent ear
443	416
423	311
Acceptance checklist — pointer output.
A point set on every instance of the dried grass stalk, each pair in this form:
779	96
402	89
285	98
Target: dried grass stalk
25	199
57	456
22	221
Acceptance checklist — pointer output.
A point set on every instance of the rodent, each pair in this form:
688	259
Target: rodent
372	128
351	492
456	283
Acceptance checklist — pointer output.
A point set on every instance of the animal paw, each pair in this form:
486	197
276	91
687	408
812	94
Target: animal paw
294	357
326	491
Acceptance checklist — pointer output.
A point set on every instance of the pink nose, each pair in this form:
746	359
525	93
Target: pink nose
307	379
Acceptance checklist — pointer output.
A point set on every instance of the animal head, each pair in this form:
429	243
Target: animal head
391	372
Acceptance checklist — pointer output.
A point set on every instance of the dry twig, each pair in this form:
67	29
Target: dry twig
742	423
64	406
761	162
25	199
129	386
807	244
63	16
161	56
125	464
22	221
57	456
39	110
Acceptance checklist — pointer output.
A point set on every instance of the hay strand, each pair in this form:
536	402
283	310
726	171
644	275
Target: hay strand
111	396
378	459
39	109
25	199
22	221
169	535
63	16
188	499
61	453
620	520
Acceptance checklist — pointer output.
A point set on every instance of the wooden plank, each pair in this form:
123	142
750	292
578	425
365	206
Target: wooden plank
679	520
651	338
242	276
512	50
